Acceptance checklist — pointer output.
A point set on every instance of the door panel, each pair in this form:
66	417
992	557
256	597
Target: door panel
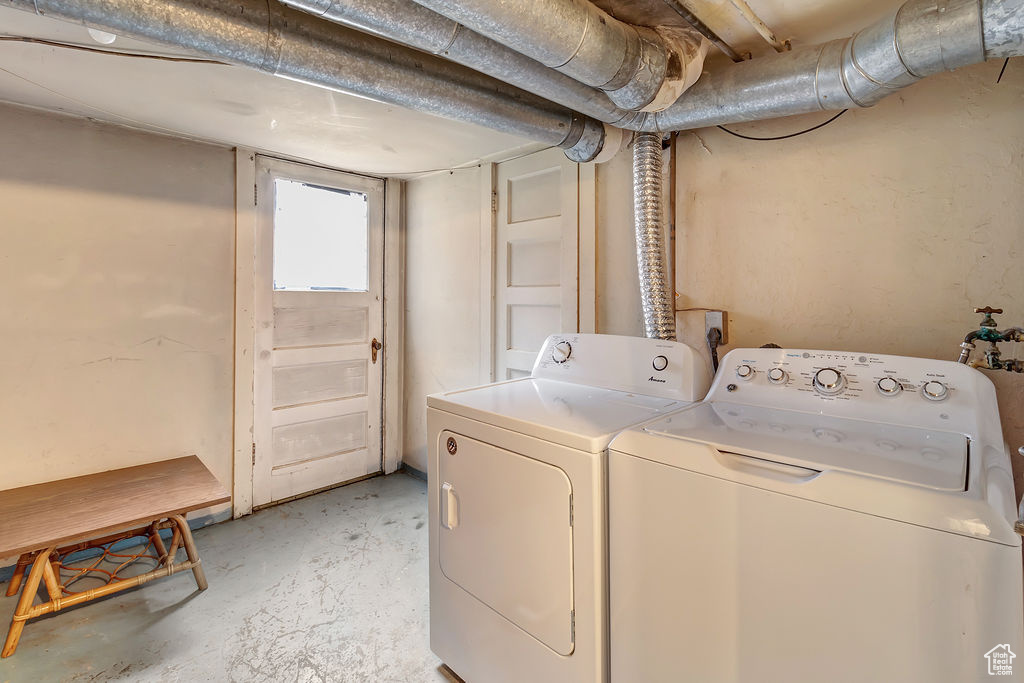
309	326
317	390
534	262
536	249
506	536
318	438
295	385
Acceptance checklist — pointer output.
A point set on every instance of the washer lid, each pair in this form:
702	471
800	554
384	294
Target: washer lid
575	415
932	459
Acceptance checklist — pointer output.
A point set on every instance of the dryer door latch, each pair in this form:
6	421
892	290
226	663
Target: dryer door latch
449	507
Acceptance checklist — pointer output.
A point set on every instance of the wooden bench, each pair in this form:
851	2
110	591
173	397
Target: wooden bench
45	523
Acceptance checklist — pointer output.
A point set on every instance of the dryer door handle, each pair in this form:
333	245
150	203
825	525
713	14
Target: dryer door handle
449	507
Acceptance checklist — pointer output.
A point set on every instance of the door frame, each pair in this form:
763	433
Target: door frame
246	226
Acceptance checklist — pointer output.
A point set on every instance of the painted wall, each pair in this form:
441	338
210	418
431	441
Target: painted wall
117	298
618	293
442	296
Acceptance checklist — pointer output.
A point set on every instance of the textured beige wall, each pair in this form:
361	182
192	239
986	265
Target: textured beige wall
442	297
116	298
618	294
880	232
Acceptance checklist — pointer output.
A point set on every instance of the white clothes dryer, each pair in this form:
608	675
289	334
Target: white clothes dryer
822	516
517	489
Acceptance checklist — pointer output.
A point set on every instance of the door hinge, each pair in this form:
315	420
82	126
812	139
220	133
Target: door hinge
254	455
494	201
255	194
570	509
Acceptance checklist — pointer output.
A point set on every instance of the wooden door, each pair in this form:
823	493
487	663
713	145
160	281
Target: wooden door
536	265
318	315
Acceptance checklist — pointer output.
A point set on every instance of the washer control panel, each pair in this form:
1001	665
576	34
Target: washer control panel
652	367
867	386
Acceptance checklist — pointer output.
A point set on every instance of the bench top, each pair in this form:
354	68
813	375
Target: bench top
59	512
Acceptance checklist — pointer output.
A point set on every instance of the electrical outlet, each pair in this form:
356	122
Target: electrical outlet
719	319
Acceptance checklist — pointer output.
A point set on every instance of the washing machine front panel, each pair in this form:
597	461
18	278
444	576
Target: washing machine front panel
721	582
505	535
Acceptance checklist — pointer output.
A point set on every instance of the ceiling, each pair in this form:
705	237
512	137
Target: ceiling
231	105
239	106
803	22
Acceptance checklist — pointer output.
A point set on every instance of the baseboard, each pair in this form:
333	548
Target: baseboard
413	472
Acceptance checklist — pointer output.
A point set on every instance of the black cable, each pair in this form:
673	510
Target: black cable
465	167
1003	70
784	137
115	53
714	339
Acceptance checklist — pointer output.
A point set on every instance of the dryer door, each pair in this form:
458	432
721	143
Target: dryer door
506	535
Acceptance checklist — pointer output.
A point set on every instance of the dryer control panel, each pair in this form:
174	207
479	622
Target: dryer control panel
922	392
652	367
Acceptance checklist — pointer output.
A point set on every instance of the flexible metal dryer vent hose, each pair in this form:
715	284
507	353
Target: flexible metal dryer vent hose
655	294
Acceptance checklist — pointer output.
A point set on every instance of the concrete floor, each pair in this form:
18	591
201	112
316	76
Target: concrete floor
328	588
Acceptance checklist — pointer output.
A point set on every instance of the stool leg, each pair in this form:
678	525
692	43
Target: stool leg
190	550
28	593
158	545
52	581
19	573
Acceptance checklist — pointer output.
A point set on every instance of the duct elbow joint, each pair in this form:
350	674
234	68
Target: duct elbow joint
667	62
588	139
599	143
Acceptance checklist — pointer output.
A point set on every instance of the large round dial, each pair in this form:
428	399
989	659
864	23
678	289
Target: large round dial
777	376
934	390
660	363
561	351
887	386
745	372
829	381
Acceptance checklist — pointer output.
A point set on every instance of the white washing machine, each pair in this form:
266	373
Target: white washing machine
822	516
518	565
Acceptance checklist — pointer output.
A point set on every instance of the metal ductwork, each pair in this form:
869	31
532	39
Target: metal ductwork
633	65
648	213
406	22
264	35
921	38
640	68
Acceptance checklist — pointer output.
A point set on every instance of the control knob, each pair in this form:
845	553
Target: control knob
829	381
777	376
745	372
887	386
659	363
934	390
561	351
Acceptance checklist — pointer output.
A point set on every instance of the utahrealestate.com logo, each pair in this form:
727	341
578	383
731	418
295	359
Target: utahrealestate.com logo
1000	660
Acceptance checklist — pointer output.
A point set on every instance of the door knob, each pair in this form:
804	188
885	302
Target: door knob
375	346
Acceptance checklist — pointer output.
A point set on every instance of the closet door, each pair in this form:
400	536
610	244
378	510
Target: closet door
536	257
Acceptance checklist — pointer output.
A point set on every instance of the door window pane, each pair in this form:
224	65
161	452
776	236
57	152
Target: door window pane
320	238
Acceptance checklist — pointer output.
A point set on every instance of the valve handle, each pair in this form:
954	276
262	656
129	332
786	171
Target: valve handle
987	321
